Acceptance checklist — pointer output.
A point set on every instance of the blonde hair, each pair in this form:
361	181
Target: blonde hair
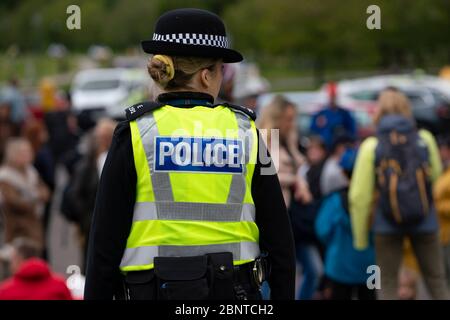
271	114
176	72
392	101
106	124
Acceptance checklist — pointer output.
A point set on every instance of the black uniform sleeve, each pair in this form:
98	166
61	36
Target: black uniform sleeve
275	230
112	217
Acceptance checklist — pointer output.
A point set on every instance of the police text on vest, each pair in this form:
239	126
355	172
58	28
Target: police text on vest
198	154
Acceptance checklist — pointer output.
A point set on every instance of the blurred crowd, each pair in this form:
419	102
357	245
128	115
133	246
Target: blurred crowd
34	145
327	181
339	202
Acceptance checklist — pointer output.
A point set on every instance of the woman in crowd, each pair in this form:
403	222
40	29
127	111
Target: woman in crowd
400	163
281	114
36	133
23	194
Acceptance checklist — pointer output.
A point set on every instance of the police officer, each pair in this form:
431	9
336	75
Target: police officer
185	209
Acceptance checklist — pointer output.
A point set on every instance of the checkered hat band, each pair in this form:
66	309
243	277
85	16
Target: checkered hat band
194	39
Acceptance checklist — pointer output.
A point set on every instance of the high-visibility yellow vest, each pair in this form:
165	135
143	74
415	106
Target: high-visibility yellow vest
194	173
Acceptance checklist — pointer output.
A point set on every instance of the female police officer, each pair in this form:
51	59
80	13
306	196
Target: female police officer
184	209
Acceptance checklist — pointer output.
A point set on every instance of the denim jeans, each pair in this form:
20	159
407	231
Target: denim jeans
308	258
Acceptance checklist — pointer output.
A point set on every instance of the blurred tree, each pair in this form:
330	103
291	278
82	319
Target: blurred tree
318	35
319	32
216	6
333	32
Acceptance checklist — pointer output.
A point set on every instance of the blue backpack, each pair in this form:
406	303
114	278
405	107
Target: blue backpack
403	173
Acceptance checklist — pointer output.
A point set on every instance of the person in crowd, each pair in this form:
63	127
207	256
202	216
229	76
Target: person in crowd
64	135
6	126
47	90
409	275
23	194
12	95
407	284
400	163
303	216
281	114
333	121
36	133
332	177
83	187
345	267
316	156
442	200
32	278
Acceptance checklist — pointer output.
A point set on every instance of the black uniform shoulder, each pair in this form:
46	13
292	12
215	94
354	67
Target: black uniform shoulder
121	129
247	111
137	110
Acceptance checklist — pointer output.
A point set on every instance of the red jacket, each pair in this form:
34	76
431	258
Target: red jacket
34	281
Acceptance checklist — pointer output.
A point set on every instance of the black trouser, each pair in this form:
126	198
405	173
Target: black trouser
342	291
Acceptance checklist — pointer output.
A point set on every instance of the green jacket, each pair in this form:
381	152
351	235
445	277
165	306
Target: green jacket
362	186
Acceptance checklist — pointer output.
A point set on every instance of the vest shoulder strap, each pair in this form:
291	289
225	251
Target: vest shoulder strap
248	112
137	110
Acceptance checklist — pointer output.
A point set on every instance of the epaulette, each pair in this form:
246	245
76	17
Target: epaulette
137	110
249	112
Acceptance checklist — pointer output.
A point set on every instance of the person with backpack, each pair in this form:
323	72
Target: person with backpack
392	179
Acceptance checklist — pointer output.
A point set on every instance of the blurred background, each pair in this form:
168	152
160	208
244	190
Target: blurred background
62	91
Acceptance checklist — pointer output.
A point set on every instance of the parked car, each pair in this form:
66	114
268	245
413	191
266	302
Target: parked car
107	92
429	97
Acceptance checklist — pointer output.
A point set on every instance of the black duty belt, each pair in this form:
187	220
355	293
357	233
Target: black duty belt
211	276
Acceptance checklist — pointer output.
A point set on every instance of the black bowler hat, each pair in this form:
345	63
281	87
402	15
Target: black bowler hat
191	32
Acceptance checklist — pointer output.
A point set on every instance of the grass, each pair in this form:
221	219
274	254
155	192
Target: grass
31	68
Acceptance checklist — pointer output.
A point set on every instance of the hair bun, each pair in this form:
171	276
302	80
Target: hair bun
161	69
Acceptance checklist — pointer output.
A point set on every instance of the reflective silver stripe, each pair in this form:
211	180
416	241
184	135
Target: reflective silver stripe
238	181
194	211
144	255
139	256
160	180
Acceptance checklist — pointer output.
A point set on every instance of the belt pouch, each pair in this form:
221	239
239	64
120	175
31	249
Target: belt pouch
140	285
222	268
182	278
